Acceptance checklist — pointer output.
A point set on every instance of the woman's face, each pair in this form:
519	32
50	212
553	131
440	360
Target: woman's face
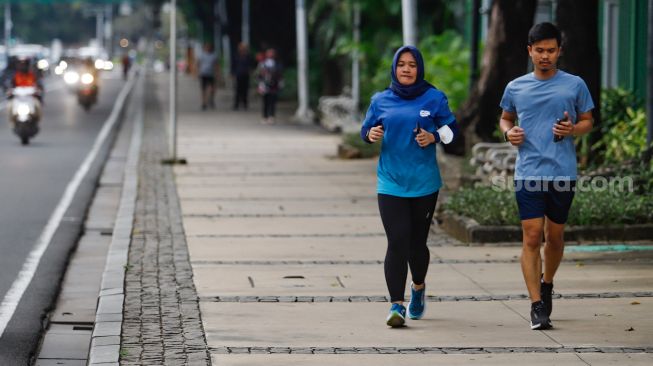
406	69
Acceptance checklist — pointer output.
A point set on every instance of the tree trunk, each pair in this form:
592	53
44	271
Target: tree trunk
578	22
505	57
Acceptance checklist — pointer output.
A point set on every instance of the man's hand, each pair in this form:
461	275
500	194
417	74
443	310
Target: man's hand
375	134
516	136
564	128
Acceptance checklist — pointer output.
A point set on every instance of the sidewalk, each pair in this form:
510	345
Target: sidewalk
281	246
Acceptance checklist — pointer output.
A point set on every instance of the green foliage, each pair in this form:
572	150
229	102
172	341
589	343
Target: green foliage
590	207
485	205
367	150
40	22
608	208
614	104
446	64
626	138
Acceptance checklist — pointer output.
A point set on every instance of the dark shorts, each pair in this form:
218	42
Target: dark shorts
544	198
207	81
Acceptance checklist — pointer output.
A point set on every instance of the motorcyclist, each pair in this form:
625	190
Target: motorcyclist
24	75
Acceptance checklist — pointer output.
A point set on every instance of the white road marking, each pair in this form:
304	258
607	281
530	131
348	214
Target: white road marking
22	281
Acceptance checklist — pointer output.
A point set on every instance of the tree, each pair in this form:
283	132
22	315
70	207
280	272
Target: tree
505	57
578	22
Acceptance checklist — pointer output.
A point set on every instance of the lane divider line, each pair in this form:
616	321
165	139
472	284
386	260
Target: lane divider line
13	296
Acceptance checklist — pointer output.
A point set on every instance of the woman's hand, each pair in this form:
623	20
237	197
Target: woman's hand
375	134
424	138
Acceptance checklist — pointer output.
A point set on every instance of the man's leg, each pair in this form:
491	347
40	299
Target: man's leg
531	262
553	249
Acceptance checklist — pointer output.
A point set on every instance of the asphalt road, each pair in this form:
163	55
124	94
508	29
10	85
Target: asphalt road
33	179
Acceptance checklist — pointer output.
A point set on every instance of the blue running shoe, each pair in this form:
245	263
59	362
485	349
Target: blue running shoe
397	316
417	303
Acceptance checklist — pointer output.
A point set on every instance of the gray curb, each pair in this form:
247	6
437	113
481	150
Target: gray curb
105	340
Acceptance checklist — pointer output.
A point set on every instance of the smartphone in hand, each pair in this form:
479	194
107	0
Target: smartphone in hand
558	138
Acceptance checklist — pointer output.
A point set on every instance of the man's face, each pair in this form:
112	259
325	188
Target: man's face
544	54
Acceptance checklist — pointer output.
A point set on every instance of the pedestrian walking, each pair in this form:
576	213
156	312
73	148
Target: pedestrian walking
409	117
208	67
269	83
552	107
126	65
240	70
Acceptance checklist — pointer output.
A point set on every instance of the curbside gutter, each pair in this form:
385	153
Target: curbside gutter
105	340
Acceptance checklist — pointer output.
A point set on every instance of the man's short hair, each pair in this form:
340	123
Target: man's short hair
544	31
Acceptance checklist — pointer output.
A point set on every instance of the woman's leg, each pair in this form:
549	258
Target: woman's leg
421	215
395	215
266	107
273	104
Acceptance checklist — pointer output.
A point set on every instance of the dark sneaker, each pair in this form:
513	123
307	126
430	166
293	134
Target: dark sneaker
397	316
417	303
546	293
539	318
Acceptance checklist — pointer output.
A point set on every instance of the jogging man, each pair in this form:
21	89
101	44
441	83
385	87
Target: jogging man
545	172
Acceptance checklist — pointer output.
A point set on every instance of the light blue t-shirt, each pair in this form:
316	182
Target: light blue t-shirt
405	169
538	104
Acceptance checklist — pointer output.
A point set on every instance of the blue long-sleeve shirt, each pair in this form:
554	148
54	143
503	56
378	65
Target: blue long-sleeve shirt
405	169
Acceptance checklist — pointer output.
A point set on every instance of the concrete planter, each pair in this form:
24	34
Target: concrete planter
468	230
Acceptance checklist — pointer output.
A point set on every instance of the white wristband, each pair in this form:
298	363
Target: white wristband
446	135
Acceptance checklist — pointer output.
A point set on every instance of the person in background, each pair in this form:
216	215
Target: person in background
240	70
208	68
269	83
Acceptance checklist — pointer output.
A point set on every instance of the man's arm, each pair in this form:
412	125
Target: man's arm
511	133
583	126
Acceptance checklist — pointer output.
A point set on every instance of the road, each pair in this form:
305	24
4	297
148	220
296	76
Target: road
33	180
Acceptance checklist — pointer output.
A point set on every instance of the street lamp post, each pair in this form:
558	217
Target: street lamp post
8	26
649	134
173	81
303	114
355	65
409	21
245	27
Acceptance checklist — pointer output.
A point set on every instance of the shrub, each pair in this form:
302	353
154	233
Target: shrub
626	139
367	150
490	207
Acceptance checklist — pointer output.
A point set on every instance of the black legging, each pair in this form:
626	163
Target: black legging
406	222
242	88
269	101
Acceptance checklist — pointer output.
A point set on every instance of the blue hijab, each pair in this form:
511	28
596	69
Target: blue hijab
419	86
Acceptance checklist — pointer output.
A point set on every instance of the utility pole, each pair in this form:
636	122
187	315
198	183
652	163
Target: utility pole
303	114
245	21
8	26
649	104
409	21
476	24
99	27
226	45
108	31
173	82
355	64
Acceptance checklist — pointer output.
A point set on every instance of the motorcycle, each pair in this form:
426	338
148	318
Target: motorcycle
24	112
87	91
